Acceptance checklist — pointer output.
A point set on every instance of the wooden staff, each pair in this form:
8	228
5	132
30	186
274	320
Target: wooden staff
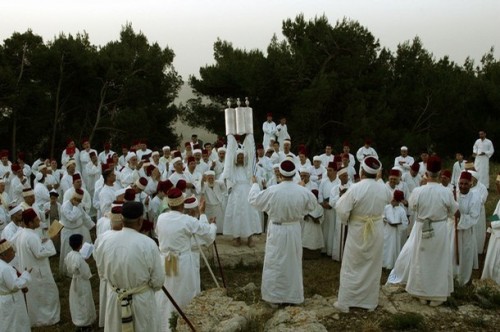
179	310
457	254
220	265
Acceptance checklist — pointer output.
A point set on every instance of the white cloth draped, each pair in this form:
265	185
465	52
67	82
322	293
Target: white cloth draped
13	314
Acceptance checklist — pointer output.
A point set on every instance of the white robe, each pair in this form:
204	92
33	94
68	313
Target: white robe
337	232
128	259
43	297
480	226
13	314
214	199
75	221
396	222
81	302
482	163
430	274
362	207
175	231
470	209
312	233
269	129
282	134
240	219
492	261
325	188
286	204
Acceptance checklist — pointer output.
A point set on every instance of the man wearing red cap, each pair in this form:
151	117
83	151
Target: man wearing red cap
175	235
78	184
92	173
346	148
71	152
467	215
395	224
18	183
430	276
269	130
42	299
366	151
286	204
412	178
75	220
5	165
325	188
106	153
362	207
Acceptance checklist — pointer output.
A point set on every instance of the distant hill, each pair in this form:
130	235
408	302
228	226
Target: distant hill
183	129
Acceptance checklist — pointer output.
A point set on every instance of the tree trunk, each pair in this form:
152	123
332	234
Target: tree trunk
57	107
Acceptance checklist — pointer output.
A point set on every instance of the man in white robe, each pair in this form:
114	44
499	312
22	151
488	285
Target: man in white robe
282	132
366	151
75	221
42	299
327	157
403	162
337	232
480	227
175	235
482	152
13	314
130	263
362	207
286	204
214	190
15	225
430	275
458	168
269	129
329	216
491	268
467	215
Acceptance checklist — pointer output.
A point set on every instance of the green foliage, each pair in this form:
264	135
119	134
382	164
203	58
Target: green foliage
68	87
403	322
335	83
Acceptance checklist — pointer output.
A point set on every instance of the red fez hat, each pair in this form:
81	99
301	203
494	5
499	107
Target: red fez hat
104	167
85	140
260	146
116	209
434	164
315	192
398	195
368	141
345	155
177	154
129	194
337	158
187	144
287	168
110	160
415	167
333	165
29	215
181	184
196	146
69	141
124	146
70	151
76	177
174	193
190	200
466	176
20	156
107	146
150	169
446	173
4	153
346	143
79	192
92	154
15	167
147	226
191	159
269	114
394	172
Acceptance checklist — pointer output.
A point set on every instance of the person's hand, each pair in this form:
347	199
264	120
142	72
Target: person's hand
254	179
211	220
202	206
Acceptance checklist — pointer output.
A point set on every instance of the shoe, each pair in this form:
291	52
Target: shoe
341	308
436	303
422	301
236	242
250	243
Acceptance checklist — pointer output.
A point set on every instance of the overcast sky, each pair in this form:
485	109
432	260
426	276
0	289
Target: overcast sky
457	28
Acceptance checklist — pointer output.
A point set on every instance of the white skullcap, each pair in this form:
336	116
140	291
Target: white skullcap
15	210
38	176
130	155
190	202
404	148
155	153
316	158
305	169
342	171
42	166
195	151
209	173
371	165
474	174
223	149
276	166
166	147
176	160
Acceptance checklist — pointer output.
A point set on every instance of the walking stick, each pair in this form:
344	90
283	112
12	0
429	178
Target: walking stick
206	261
179	310
457	256
220	265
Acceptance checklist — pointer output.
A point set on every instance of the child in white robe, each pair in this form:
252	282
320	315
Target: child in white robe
395	221
312	232
81	302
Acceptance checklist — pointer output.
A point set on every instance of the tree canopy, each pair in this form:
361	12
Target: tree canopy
335	83
69	88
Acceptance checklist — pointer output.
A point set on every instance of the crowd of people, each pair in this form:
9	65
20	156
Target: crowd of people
152	210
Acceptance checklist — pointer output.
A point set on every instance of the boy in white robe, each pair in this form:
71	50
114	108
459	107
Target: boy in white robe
81	302
13	314
213	191
395	222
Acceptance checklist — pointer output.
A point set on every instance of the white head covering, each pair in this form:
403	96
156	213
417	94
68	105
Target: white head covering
130	155
368	165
